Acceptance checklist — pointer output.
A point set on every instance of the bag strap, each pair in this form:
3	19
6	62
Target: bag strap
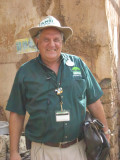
89	119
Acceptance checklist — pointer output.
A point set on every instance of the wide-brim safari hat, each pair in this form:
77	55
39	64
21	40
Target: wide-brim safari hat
50	21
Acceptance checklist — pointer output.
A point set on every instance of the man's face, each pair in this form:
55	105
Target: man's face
50	45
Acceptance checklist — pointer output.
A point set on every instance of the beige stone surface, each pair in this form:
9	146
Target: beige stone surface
89	38
108	96
112	122
103	63
7	74
114	152
94	23
89	41
113	18
110	109
82	16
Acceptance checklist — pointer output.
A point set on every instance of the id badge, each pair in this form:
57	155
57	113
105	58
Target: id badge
62	116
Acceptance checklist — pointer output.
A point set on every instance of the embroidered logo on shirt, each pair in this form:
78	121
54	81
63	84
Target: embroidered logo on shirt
76	71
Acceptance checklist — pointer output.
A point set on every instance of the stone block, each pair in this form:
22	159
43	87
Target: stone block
110	109
105	83
112	122
109	96
118	116
114	152
114	138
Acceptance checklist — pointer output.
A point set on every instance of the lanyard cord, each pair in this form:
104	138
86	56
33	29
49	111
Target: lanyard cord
59	89
61	102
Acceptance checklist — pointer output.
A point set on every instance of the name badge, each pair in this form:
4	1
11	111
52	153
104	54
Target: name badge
62	116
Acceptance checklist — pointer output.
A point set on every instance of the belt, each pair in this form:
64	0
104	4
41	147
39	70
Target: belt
63	144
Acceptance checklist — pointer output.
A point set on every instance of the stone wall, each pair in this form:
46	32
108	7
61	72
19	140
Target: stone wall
93	40
113	14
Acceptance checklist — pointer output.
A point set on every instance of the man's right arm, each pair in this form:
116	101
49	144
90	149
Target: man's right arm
16	125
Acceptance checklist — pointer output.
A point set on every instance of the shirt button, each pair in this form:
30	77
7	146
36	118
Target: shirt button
66	124
66	137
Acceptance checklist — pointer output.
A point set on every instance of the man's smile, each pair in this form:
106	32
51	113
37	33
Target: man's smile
51	49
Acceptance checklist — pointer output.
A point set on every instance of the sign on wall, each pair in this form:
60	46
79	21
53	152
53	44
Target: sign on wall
25	45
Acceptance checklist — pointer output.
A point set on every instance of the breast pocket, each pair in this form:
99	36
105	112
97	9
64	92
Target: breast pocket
79	86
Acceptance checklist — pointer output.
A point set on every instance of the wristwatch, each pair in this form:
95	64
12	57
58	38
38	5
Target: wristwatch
108	131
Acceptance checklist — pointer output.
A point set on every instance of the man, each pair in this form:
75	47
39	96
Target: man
55	88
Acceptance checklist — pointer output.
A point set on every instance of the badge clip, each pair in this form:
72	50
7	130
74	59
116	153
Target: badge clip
59	91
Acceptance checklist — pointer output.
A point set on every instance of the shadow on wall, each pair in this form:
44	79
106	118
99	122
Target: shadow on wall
42	6
49	7
116	7
23	60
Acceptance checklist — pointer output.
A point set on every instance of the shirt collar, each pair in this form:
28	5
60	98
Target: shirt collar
63	58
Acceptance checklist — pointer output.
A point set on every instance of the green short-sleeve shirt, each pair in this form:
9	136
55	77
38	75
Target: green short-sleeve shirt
34	91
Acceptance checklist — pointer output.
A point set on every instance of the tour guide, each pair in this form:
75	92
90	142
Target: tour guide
55	88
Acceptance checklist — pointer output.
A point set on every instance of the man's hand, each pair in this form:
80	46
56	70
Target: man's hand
108	137
108	134
15	156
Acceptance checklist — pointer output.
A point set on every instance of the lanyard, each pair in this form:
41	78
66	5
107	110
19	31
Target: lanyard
59	91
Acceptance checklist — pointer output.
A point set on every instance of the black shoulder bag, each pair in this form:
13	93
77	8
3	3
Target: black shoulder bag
97	146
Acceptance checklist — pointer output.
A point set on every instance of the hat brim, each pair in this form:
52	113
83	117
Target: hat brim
67	31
